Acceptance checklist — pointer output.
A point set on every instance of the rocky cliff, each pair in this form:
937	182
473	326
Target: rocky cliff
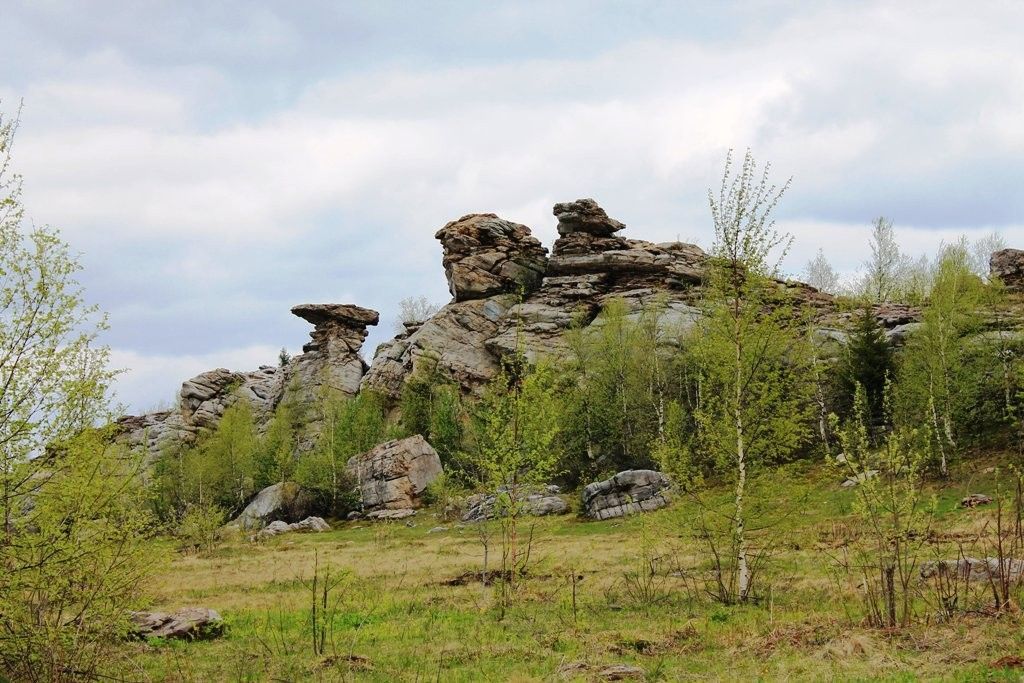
506	291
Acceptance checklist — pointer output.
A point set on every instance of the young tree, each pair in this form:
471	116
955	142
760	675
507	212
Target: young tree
515	426
749	345
70	527
619	390
887	267
867	362
935	365
350	426
414	309
821	275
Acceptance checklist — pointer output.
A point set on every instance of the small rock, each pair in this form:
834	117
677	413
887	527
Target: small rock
975	499
285	501
621	672
276	528
859	478
354	516
438	530
390	515
192	623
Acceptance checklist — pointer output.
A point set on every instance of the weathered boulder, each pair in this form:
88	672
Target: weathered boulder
625	493
278	527
394	474
205	397
975	499
486	255
285	501
537	504
390	515
584	215
191	623
1007	265
974	568
859	478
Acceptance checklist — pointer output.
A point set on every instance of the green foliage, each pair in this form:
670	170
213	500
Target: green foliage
936	370
514	428
515	425
617	392
349	426
71	521
201	528
431	405
274	457
892	513
867	362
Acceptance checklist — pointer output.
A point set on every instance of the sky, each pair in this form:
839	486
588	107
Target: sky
215	163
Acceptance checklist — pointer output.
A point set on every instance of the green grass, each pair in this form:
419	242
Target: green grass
393	617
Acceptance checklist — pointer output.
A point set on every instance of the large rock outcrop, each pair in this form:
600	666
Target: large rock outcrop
486	255
1007	265
395	474
331	357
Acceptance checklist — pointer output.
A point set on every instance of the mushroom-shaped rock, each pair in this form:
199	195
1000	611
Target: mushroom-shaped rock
584	215
332	354
486	255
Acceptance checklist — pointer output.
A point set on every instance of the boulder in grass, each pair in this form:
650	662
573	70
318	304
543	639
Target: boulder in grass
394	475
975	499
191	623
625	493
276	528
285	501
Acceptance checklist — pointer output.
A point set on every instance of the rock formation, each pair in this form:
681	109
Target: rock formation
278	527
331	357
539	503
1007	265
507	295
626	493
486	255
393	475
191	623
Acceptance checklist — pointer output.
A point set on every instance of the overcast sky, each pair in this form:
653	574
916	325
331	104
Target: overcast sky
218	162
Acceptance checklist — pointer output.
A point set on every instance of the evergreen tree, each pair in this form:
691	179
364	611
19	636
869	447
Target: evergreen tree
867	362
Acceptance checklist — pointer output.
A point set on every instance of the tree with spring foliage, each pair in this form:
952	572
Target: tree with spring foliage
71	520
750	347
515	425
935	370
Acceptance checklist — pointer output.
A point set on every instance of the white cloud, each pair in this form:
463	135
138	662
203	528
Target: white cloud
185	199
152	381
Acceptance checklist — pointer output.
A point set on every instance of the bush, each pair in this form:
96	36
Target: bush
201	528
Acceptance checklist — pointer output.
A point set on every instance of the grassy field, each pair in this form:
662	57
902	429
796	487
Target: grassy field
409	608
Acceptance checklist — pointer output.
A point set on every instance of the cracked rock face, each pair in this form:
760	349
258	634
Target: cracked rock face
394	474
486	255
626	493
1008	266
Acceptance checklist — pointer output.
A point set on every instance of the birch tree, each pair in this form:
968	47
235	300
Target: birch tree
755	405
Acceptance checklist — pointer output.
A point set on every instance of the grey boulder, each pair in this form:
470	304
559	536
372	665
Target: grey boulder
284	501
625	493
192	623
394	475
